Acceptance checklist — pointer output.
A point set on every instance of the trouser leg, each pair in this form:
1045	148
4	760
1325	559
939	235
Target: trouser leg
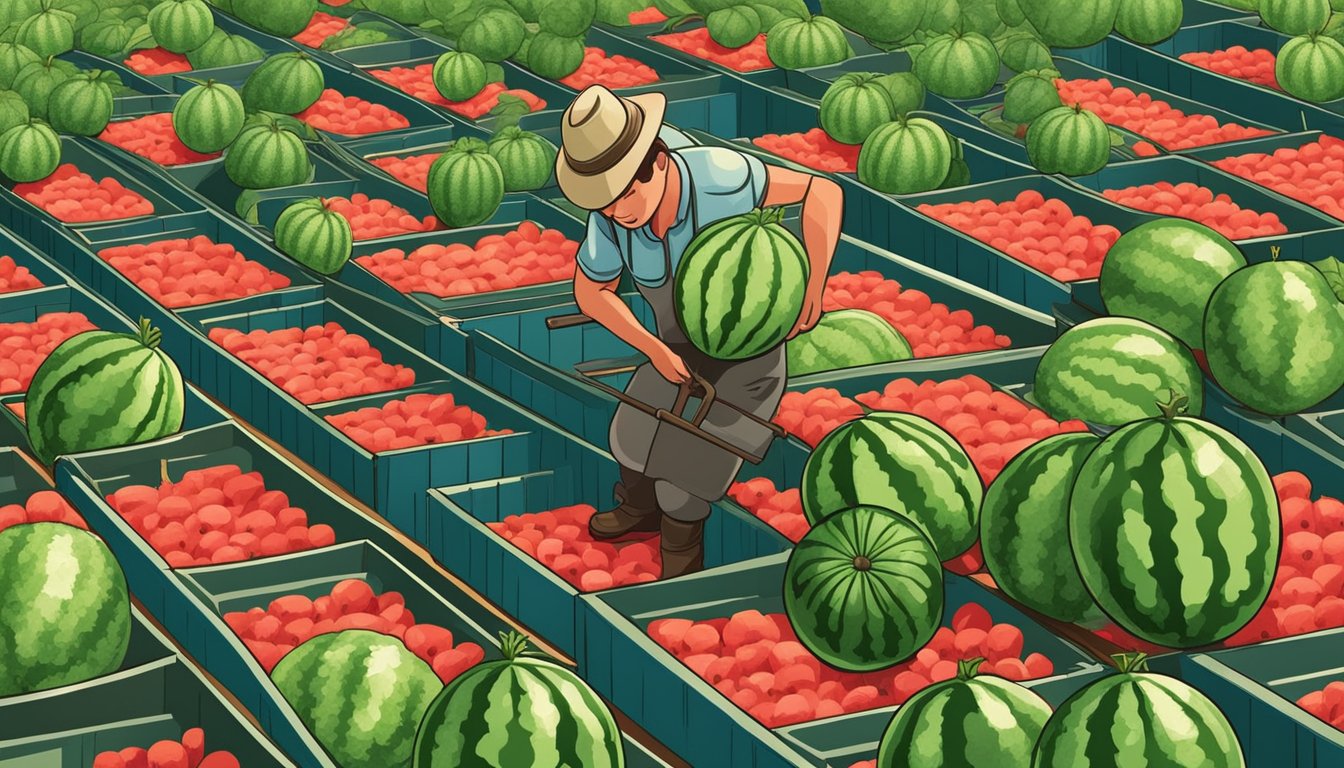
682	529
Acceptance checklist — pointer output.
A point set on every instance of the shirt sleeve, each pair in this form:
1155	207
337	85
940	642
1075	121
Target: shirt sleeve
727	182
599	257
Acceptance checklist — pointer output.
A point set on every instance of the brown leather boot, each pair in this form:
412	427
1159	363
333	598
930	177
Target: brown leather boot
683	547
636	509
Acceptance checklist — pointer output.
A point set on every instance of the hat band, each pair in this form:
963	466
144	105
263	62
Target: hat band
611	156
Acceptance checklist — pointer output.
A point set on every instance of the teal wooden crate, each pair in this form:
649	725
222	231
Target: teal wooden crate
269	45
395	33
133	84
19	479
27	257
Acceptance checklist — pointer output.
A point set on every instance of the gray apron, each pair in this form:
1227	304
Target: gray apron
664	452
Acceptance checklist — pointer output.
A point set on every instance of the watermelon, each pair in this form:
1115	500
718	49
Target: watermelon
101	389
1029	95
525	158
82	105
47	33
570	18
13	58
29	152
1163	272
209	117
495	35
1024	531
1175	527
901	462
65	612
530	10
13	111
978	16
958	66
1312	68
314	235
361	693
1109	371
863	589
739	286
1069	140
1021	52
1334	29
13	12
224	50
465	184
265	156
1274	337
181	25
554	57
1010	12
885	21
36	82
458	76
940	16
411	12
108	39
734	27
286	83
970	720
1149	22
804	43
906	92
1295	17
1072	23
846	338
854	106
283	18
911	155
523	709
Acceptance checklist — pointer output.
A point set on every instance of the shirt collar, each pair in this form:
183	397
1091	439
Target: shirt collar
683	204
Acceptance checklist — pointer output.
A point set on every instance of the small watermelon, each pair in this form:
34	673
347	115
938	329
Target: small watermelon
29	152
854	106
1022	51
286	83
48	33
266	155
901	462
315	236
224	50
958	66
107	39
1069	140
65	612
911	155
1148	22
36	81
885	21
979	16
863	589
1010	12
1071	23
283	18
101	389
905	90
554	57
739	286
458	76
846	338
82	105
526	159
495	35
1180	726
1107	372
13	58
570	18
1029	95
1312	68
13	110
465	184
209	117
1295	17
1175	528
734	27
15	12
181	25
804	43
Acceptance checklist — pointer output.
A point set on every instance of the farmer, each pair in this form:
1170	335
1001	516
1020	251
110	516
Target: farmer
647	203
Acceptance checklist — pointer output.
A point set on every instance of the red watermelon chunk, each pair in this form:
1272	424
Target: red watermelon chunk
418	81
153	137
1254	65
613	71
932	329
14	278
186	273
559	540
1151	118
1326	703
157	61
697	42
812	415
412	421
187	752
24	346
780	509
1312	174
372	218
73	196
351	115
1191	201
814	149
320	27
411	170
41	507
650	15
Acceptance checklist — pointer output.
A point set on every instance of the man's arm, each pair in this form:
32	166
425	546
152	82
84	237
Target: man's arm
600	301
823	213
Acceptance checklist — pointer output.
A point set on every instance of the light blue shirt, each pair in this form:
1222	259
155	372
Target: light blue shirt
726	183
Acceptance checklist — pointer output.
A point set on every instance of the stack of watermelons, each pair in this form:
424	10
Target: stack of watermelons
1311	65
794	38
546	36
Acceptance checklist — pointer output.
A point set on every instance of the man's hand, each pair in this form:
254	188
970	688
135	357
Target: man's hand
811	314
669	364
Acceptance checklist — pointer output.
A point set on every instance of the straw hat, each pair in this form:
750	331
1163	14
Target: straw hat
604	138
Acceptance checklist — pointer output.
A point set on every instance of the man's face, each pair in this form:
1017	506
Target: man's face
636	207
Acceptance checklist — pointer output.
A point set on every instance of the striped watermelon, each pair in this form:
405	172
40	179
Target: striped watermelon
902	462
497	33
905	157
13	111
287	83
1274	337
905	90
1295	17
969	720
224	50
101	389
1173	724
209	117
283	18
886	21
1112	370
35	82
13	58
265	156
846	338
1312	68
181	25
1175	527
854	106
525	158
1029	95
1022	51
315	236
1148	22
466	184
1163	272
1024	531
361	693
47	33
523	710
65	612
82	105
733	27
864	589
802	43
959	66
739	286
554	57
29	152
458	75
569	19
1010	12
1071	23
1069	140
15	11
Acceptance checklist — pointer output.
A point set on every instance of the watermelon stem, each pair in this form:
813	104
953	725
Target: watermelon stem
163	472
968	668
1174	407
149	335
862	563
512	644
1274	252
1131	662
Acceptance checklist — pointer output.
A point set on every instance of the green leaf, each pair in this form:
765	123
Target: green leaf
494	73
509	110
675	21
246	205
141	38
1117	138
1333	269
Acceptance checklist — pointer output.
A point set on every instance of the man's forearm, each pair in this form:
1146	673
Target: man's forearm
615	315
822	218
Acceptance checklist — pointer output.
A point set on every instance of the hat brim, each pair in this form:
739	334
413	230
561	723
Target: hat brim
600	190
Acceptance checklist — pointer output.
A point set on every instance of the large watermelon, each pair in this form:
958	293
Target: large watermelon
905	90
846	338
959	66
36	81
82	105
224	50
1295	17
496	34
1148	22
13	58
1312	68
47	33
804	43
1069	140
863	589
905	157
1071	23
1175	527
1021	51
181	25
65	613
1029	95
361	693
902	462
1274	337
526	159
554	57
458	75
266	155
1163	272
465	184
970	720
29	152
287	83
13	12
885	21
1110	371
315	236
734	27
284	18
522	710
571	18
854	106
739	286
1024	530
1010	12
1174	724
209	117
13	111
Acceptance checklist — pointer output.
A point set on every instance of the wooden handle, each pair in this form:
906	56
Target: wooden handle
557	322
